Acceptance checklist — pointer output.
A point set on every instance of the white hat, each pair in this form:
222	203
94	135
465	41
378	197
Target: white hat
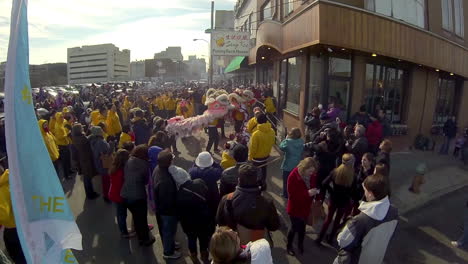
204	160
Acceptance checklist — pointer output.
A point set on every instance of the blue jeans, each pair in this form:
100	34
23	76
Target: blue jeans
169	230
445	146
463	240
121	213
285	183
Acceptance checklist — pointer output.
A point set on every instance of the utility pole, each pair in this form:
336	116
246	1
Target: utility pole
210	79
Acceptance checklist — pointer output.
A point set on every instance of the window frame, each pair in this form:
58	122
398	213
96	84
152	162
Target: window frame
263	8
455	9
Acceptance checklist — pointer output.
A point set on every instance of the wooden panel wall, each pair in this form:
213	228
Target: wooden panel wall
301	32
360	30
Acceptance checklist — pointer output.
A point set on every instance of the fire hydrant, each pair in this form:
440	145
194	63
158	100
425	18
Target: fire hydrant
418	178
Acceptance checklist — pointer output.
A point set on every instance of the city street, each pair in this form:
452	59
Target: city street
423	235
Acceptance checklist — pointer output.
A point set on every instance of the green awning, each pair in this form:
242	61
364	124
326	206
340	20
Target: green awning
235	64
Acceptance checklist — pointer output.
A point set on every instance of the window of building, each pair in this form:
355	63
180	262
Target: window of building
282	85
288	6
446	101
267	12
410	11
315	82
294	85
339	67
384	90
452	17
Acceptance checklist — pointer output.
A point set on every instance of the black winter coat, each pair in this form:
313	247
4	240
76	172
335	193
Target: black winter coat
85	155
165	192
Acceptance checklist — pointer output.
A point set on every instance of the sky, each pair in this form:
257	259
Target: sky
143	26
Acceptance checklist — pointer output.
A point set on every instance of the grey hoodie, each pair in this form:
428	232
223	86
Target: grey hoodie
365	237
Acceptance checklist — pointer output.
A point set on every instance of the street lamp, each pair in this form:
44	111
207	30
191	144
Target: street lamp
210	69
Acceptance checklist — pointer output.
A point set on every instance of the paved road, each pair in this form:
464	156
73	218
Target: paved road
423	236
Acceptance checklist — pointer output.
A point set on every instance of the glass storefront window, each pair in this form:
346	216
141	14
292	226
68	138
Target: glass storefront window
384	88
282	84
294	85
315	82
445	104
339	67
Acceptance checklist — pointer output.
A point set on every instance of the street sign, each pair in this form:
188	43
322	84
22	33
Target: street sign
230	43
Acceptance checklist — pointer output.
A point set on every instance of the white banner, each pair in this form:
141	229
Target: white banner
230	43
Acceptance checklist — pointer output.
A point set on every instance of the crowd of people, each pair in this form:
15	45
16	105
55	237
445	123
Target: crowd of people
222	207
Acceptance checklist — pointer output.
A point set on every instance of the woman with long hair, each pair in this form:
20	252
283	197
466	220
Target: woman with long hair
342	179
367	169
116	183
302	184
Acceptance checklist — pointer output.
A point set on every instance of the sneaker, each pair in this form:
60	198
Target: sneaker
455	244
175	255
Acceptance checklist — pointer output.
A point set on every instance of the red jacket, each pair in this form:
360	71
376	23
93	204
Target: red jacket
299	201
374	133
116	183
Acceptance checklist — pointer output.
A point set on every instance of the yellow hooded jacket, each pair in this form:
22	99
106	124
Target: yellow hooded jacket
124	138
49	141
113	126
261	142
60	132
227	161
252	125
170	104
269	105
159	102
7	218
186	114
97	118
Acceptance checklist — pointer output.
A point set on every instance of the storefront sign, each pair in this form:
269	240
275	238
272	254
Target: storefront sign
230	43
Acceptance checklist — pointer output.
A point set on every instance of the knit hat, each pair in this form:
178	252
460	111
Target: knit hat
96	131
324	116
240	153
179	175
204	160
421	168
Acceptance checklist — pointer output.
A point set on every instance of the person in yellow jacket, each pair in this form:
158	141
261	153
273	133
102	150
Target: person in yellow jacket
252	123
261	143
49	141
98	116
227	159
113	125
63	142
184	108
170	106
7	219
125	136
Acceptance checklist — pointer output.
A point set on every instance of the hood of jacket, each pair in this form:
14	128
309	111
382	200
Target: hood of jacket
153	153
179	175
41	126
265	128
245	197
376	209
59	118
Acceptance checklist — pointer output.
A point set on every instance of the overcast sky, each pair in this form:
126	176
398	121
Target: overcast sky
143	26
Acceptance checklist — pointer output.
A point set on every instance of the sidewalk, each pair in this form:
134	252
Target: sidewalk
444	175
